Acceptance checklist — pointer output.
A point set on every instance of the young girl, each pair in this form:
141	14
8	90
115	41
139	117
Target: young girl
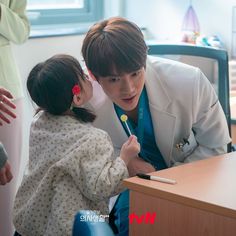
71	163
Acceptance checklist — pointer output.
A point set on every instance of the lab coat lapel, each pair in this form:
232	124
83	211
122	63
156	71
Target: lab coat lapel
163	121
164	126
118	136
108	121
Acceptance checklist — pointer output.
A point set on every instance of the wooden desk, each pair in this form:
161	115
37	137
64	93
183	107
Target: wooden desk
203	202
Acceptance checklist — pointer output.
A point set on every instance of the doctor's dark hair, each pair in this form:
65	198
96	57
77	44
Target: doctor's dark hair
50	86
114	46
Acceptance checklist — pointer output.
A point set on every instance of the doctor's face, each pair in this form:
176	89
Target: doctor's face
124	90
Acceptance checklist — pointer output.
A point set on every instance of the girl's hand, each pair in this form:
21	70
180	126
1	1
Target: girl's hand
130	149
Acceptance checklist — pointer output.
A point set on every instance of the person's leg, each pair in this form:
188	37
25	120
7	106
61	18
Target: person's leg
119	216
11	137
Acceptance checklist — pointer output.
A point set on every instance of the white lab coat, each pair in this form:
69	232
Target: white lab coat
183	105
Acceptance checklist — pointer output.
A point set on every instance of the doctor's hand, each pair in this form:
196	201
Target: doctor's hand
5	106
138	165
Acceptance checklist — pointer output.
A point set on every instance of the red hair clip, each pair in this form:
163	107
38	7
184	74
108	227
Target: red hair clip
76	90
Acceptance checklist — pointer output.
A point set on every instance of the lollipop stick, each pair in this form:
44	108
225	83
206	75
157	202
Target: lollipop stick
128	128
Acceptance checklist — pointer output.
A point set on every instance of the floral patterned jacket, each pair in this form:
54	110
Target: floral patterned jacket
71	167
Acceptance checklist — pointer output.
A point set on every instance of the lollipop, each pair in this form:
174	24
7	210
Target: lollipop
124	119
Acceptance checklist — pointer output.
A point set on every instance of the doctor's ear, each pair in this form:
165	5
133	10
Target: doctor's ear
91	75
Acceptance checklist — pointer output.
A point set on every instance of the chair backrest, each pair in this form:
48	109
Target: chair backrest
90	224
219	55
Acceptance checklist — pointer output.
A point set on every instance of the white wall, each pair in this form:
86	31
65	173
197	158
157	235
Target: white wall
164	17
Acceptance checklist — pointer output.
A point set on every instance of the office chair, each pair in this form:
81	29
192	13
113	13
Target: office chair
219	55
90	224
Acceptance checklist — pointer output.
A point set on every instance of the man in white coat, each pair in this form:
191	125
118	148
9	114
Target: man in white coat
172	108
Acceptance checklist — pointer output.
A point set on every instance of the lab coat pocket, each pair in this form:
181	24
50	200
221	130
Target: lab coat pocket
184	147
189	144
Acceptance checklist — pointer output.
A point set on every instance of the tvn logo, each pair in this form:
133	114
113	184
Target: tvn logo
147	218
